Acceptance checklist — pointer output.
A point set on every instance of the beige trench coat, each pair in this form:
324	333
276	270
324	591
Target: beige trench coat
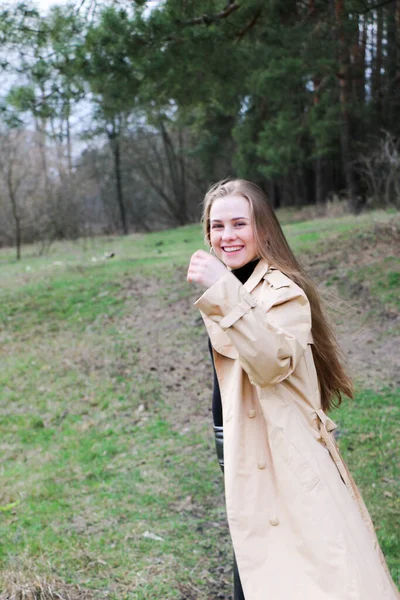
299	527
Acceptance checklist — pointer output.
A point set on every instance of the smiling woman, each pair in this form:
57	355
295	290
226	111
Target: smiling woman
231	232
299	526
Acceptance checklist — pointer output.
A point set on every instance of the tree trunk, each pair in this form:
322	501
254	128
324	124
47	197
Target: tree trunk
360	75
116	150
176	171
344	95
14	208
182	169
319	188
376	81
69	143
392	68
273	193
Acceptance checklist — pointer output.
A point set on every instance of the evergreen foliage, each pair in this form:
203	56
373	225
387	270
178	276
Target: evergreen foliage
171	96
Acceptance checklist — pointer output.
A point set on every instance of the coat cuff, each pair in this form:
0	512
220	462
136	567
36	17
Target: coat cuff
226	301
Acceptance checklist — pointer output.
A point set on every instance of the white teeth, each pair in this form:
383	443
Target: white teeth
233	249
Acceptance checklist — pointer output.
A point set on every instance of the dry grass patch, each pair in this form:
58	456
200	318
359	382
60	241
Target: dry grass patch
29	585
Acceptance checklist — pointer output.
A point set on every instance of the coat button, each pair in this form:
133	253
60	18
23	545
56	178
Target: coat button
251	414
274	521
262	465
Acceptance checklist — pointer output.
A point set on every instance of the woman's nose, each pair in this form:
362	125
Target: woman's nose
228	234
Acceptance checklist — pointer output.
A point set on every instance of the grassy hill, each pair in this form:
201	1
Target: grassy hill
109	486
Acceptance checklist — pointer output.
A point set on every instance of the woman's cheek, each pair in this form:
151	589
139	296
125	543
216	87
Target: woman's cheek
214	241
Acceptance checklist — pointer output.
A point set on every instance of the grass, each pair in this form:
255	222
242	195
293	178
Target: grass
369	436
103	488
382	280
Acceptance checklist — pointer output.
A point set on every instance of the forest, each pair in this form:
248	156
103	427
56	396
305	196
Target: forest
116	116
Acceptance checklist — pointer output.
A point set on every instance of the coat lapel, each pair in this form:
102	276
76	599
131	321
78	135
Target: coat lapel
256	276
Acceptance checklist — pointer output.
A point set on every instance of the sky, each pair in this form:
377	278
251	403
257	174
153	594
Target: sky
44	5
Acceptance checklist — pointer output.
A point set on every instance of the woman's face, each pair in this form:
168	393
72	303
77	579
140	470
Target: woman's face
231	231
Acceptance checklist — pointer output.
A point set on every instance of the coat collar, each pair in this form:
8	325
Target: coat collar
261	269
219	339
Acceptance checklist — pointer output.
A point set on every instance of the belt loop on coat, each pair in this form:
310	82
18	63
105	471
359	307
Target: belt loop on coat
326	421
325	429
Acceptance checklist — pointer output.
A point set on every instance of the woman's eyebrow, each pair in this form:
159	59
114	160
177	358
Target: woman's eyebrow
234	219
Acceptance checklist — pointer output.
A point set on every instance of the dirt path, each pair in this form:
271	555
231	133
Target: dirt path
173	346
173	341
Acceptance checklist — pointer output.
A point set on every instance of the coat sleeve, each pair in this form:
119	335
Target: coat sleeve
270	334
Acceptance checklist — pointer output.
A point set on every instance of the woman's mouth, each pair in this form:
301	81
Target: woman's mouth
232	249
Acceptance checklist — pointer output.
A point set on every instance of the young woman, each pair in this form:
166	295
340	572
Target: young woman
299	527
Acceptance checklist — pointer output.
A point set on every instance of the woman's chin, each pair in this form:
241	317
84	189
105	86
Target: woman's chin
235	262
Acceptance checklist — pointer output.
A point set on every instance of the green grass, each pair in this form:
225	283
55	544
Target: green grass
83	479
308	235
69	301
92	458
369	442
382	279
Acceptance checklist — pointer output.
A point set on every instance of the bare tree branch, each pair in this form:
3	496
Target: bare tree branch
210	19
249	25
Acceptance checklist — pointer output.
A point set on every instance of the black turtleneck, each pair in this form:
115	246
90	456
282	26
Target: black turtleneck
243	273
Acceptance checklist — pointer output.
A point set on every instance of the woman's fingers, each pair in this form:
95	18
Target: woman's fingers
205	269
196	265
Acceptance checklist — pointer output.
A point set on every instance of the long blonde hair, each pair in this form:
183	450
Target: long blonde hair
272	245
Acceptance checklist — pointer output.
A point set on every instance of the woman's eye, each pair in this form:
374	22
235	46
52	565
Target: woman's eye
217	227
240	224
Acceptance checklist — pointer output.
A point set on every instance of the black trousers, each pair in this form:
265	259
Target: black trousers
237	585
219	444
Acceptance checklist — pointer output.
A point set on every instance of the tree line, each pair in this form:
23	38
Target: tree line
117	115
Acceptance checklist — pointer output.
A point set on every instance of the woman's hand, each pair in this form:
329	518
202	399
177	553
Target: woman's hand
205	269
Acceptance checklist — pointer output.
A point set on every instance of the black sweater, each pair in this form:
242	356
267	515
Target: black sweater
243	273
